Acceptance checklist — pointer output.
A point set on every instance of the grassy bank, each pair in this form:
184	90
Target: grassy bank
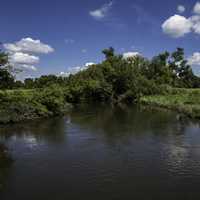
21	105
185	101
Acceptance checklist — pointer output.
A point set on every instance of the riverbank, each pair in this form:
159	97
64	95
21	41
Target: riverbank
23	105
186	101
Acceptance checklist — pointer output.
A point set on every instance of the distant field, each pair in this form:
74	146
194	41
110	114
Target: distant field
183	100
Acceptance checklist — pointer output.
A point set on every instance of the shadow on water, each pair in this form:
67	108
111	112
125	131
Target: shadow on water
122	121
5	163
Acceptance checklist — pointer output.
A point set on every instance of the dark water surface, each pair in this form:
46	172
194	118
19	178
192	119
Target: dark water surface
102	153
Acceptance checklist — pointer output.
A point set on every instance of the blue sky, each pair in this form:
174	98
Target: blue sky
73	33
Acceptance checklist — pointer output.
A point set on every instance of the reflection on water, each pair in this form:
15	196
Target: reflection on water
100	152
5	162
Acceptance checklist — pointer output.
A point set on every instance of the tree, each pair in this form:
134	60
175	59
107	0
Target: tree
29	83
183	74
109	52
3	59
6	78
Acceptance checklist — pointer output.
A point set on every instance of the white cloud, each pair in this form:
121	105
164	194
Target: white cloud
21	52
177	26
196	9
23	61
28	67
181	8
101	12
23	58
29	45
196	23
194	59
130	54
64	74
74	70
89	64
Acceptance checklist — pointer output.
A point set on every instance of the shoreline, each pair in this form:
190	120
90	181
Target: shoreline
186	111
190	110
25	105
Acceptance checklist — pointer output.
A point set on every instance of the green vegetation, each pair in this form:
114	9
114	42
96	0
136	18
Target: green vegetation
186	101
115	80
20	105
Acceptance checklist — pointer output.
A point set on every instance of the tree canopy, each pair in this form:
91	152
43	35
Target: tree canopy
116	78
6	78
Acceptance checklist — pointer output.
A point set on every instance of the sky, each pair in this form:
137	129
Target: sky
62	36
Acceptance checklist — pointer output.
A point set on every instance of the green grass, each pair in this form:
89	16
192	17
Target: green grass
186	101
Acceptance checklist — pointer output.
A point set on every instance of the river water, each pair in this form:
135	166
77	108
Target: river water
100	153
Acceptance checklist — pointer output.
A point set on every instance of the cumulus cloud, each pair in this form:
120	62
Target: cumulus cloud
29	45
21	52
23	61
196	23
177	26
196	9
27	67
130	54
23	58
181	8
101	12
194	59
74	70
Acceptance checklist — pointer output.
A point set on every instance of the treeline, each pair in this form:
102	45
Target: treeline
115	79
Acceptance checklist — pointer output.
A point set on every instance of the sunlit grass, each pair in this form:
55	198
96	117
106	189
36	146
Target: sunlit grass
182	100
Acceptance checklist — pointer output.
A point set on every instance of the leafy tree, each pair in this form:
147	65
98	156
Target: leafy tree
29	83
109	52
6	78
183	75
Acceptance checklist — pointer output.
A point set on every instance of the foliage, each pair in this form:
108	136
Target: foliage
115	76
19	105
183	100
116	79
6	79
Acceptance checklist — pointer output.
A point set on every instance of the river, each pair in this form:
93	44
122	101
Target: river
103	152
